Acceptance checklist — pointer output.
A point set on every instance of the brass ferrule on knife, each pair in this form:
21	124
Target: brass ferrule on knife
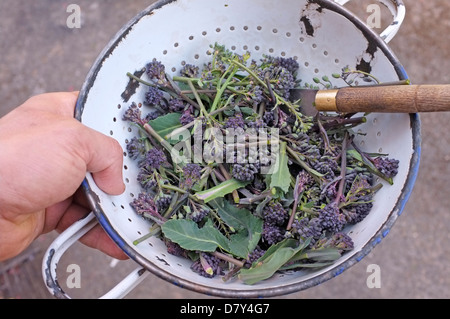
326	100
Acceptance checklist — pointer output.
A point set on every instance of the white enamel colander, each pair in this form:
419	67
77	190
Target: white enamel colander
322	35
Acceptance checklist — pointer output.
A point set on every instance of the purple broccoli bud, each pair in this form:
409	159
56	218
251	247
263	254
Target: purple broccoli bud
274	213
192	174
387	166
331	218
156	71
272	234
207	265
154	158
153	96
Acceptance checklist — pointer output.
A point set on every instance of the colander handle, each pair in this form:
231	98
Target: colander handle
398	11
59	246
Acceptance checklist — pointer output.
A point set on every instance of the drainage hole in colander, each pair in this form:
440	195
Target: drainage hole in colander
245	28
232	28
288	34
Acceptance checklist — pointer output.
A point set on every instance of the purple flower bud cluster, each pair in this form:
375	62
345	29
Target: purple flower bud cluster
163	202
189	71
153	96
136	148
235	122
331	218
274	213
176	105
156	70
341	241
272	234
144	204
154	158
257	253
198	214
191	174
133	114
245	172
387	166
308	228
209	262
175	249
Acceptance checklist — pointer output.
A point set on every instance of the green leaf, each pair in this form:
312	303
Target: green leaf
357	156
272	261
248	226
188	235
281	177
220	190
164	125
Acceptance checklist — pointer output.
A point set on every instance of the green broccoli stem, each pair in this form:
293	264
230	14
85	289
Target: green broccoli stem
343	170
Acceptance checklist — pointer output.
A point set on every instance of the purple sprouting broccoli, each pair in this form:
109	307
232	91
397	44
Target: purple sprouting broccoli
145	206
175	249
269	118
176	105
387	166
235	122
156	71
331	219
153	96
146	178
191	174
134	115
272	234
340	241
190	71
154	159
136	148
307	229
187	117
207	265
198	214
245	172
356	212
290	64
163	202
257	253
274	213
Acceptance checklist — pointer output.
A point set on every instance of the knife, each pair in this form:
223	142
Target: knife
376	98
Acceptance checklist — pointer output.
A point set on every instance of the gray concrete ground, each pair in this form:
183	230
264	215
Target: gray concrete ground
39	54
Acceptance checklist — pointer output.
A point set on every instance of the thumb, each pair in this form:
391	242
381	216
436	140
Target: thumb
105	161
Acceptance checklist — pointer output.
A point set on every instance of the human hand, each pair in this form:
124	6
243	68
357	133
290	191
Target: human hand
44	156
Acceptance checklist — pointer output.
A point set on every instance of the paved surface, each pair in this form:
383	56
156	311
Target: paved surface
40	54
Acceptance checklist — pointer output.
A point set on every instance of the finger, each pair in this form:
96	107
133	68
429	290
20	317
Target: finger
104	159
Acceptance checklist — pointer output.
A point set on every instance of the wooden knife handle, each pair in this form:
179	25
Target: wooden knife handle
394	99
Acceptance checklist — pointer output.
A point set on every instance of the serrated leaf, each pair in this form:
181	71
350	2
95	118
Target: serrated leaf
166	124
220	190
268	265
189	236
281	177
248	226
